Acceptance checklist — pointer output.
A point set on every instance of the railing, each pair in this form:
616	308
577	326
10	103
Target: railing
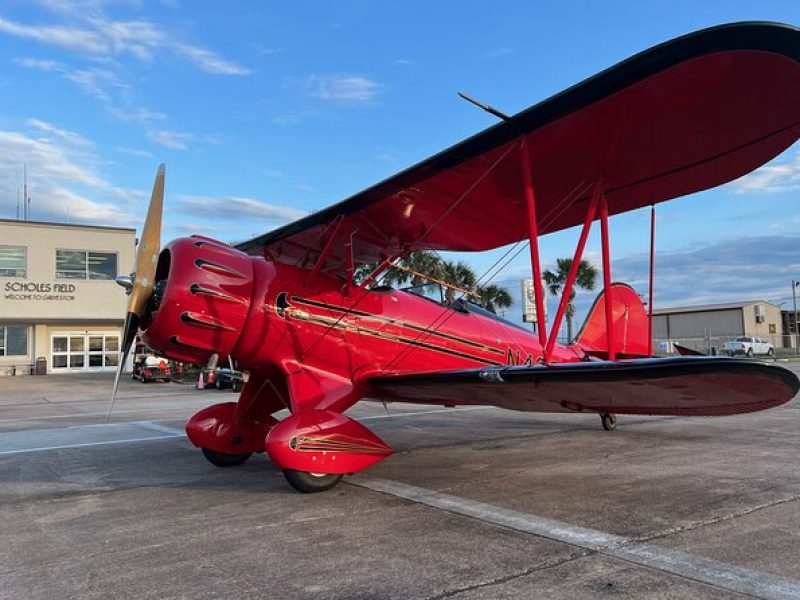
782	345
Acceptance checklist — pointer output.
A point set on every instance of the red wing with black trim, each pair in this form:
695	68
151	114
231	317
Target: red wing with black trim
684	116
688	386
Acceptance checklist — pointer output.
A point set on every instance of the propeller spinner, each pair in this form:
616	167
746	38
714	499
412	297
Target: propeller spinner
140	288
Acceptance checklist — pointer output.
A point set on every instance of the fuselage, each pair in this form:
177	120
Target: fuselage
271	317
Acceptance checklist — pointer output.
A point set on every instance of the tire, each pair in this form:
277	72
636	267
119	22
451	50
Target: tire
310	483
236	386
609	421
771	352
221	459
749	353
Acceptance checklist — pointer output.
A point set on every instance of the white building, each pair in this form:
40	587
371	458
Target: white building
58	299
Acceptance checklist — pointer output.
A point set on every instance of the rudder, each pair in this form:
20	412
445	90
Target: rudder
631	325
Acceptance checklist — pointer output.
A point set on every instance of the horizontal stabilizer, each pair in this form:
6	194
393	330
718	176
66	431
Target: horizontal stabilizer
695	385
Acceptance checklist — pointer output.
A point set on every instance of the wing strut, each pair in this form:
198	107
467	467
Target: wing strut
326	249
533	233
652	275
573	270
607	276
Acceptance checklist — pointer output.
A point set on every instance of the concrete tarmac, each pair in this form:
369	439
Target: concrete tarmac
476	503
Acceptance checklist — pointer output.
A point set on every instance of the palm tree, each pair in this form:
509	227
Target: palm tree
429	266
585	279
493	297
422	263
458	274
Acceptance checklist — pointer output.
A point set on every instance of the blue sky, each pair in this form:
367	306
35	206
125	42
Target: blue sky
266	111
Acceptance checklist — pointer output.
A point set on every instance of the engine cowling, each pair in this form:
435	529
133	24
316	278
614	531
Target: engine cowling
202	297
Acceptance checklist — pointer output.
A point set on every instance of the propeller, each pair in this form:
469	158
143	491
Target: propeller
140	286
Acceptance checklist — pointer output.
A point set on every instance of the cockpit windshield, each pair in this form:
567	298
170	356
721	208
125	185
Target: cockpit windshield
438	293
431	291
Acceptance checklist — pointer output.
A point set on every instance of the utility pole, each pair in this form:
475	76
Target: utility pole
17	203
25	191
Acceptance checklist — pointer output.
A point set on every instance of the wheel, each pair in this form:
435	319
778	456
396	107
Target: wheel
309	483
609	421
221	459
749	353
236	386
771	352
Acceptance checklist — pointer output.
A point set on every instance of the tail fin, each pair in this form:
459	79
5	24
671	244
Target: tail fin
631	325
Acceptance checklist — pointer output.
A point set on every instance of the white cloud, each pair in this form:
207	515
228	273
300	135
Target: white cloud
104	86
50	159
342	88
68	136
210	62
100	37
35	63
134	152
174	140
498	52
63	177
286	119
779	176
71	38
234	208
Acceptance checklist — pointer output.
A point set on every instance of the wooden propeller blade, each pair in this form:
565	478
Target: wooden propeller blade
143	281
148	249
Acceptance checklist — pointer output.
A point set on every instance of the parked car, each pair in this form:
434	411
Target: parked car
227	378
151	368
748	346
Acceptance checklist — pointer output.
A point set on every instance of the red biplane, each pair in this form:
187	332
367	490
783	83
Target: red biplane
684	116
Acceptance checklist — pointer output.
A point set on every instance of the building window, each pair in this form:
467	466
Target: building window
80	351
13	340
13	261
86	264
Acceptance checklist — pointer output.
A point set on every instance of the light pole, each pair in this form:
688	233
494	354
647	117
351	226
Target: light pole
794	305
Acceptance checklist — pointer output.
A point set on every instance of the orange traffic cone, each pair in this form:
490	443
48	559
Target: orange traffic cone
200	384
210	378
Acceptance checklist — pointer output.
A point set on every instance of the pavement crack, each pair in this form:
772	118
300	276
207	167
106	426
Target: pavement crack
715	520
578	554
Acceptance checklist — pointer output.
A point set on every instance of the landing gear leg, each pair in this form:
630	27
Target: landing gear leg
609	421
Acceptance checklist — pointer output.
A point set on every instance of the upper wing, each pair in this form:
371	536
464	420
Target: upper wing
655	386
687	115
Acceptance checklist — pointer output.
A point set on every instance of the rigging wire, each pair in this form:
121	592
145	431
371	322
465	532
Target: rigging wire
409	249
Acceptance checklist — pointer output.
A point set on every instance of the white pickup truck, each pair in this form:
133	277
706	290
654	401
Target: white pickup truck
748	346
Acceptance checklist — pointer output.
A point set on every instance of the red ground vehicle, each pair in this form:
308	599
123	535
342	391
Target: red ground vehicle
682	117
151	368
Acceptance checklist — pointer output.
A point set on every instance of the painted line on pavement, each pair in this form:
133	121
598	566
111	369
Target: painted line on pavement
88	444
85	436
722	575
155	426
146	410
19	442
98	414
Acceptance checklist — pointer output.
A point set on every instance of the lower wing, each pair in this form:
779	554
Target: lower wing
655	386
